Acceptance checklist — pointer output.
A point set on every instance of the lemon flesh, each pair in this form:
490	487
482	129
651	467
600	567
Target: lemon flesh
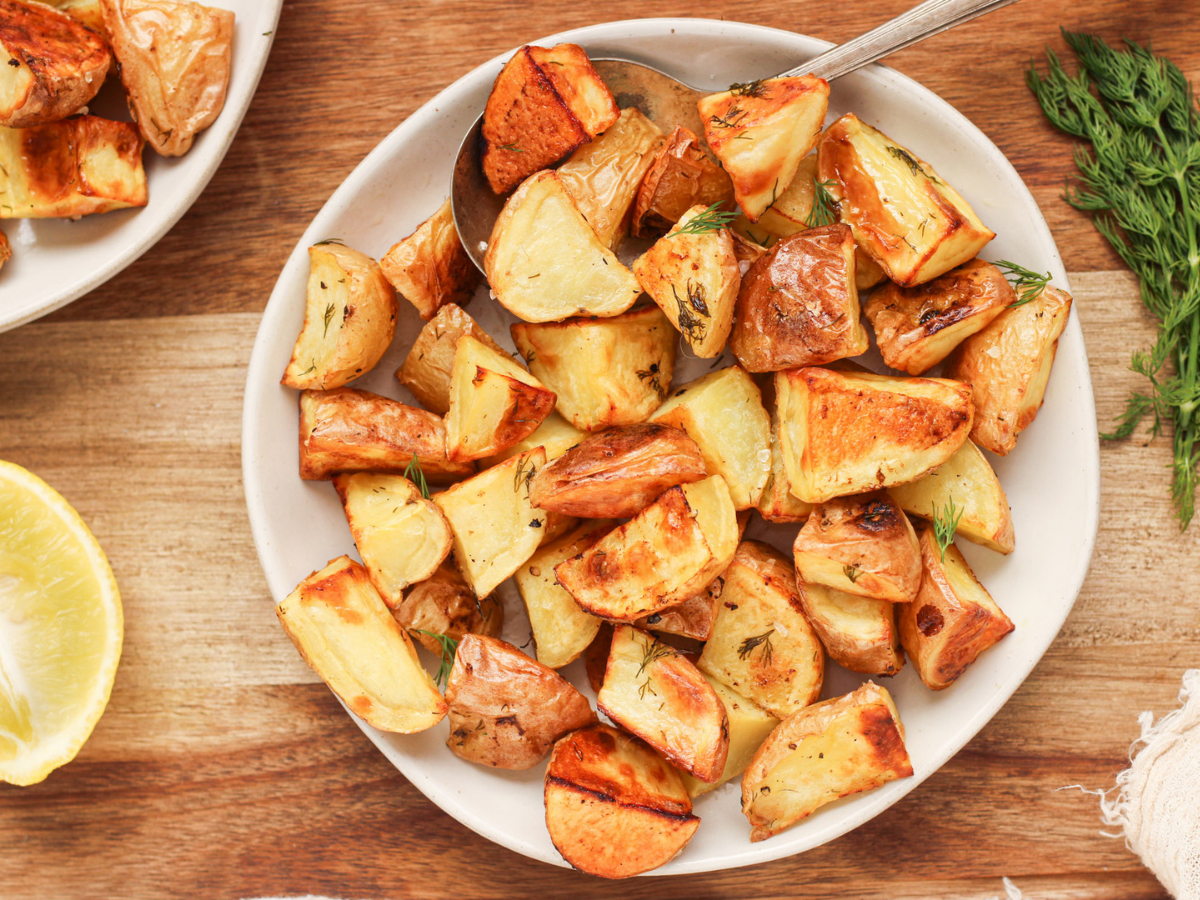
60	628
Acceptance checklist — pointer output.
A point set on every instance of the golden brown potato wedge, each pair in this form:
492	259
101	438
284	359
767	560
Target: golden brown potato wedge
572	75
344	631
555	435
838	747
952	620
778	503
762	645
5	249
346	430
665	554
445	604
507	710
749	726
430	267
595	657
845	432
349	319
614	807
613	371
693	618
426	369
619	472
681	176
651	690
747	251
858	633
760	131
1008	365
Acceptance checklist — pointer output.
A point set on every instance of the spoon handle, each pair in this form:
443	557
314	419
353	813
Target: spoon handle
922	21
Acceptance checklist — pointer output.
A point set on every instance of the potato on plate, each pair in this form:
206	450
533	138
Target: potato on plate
917	327
555	435
761	130
344	631
838	747
1008	365
544	262
494	402
651	690
430	268
777	502
5	249
611	371
667	553
693	618
858	633
426	369
681	176
952	620
614	807
349	319
903	213
619	472
845	432
507	710
445	604
749	726
346	430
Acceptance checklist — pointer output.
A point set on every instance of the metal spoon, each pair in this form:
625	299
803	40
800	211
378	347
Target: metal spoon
668	102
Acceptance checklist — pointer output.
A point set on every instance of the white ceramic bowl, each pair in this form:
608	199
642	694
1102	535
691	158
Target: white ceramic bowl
56	261
1052	479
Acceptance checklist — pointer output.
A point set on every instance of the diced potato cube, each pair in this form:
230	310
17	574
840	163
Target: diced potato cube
430	267
680	177
426	369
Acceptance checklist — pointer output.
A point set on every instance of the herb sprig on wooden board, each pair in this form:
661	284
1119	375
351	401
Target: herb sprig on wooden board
1140	180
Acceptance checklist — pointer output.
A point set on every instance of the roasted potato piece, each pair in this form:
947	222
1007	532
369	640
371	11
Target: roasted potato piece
681	176
86	12
494	402
345	430
903	213
496	528
845	432
749	726
665	554
557	525
445	604
747	251
651	690
606	372
952	620
603	176
862	545
614	807
507	710
968	479
50	65
917	327
694	278
595	657
723	413
5	249
1008	366
762	645
760	131
341	627
778	503
349	319
555	435
838	747
858	632
618	473
426	369
544	262
430	267
798	305
693	618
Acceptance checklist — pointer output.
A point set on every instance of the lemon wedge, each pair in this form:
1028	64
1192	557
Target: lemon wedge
60	628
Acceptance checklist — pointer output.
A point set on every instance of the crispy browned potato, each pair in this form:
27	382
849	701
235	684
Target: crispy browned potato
445	604
798	305
507	710
344	631
778	503
346	430
595	657
845	432
859	633
5	249
680	177
693	618
174	62
749	726
617	473
917	327
747	251
349	319
430	267
651	690
555	435
614	807
862	544
426	369
952	620
1008	366
817	755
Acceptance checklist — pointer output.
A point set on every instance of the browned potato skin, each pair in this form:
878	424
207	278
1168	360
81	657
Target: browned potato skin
617	473
426	369
445	604
917	327
870	647
798	305
507	710
693	618
595	657
348	430
681	176
430	268
5	249
579	84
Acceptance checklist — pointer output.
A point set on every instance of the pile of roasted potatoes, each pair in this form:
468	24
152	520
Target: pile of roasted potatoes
57	160
616	500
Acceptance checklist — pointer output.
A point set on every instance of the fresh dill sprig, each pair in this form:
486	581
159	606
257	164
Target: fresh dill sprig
654	650
414	473
712	219
748	88
449	647
758	640
1028	284
945	523
1140	180
823	203
328	318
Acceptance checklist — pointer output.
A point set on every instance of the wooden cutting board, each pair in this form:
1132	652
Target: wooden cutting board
223	769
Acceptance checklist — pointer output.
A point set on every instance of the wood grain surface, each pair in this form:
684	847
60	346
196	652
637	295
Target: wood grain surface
223	769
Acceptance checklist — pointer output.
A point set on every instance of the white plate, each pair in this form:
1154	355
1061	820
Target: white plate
1052	478
55	261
